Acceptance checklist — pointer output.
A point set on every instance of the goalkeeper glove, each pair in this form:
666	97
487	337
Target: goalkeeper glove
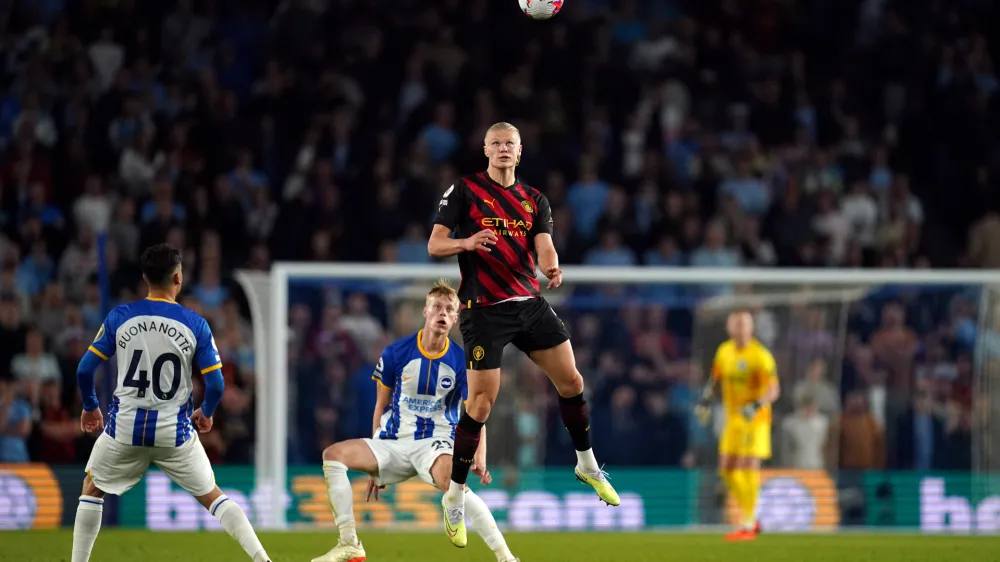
750	410
703	411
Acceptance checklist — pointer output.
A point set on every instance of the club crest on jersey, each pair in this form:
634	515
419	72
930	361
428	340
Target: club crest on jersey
446	382
741	365
100	332
478	353
527	206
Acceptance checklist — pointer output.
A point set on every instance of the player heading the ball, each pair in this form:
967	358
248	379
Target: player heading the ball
421	384
503	231
152	417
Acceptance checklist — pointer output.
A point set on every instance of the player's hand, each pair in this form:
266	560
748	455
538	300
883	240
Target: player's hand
750	410
479	469
373	488
481	240
703	412
91	421
555	277
201	422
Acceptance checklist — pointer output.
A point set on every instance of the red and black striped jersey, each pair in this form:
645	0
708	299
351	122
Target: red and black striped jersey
516	214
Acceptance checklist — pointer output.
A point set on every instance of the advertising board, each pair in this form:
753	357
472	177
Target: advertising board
538	500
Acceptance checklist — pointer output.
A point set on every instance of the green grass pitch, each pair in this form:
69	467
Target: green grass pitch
147	546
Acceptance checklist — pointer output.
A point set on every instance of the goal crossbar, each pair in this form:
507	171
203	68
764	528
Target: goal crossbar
678	275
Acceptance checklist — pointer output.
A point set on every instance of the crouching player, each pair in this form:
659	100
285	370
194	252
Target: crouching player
421	383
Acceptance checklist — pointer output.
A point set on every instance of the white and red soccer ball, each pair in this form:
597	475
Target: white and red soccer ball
540	9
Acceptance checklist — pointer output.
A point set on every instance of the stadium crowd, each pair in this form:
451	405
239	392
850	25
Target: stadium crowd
665	133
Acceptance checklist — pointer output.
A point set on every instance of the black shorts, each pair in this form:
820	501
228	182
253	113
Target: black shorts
529	324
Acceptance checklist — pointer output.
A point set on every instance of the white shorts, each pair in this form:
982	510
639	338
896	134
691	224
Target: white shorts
401	460
116	467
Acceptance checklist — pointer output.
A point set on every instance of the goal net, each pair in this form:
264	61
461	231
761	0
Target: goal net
855	351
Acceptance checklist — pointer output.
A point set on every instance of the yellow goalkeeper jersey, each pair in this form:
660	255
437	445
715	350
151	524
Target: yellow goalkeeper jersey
744	375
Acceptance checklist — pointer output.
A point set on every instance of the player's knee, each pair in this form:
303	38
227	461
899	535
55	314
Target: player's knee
480	409
334	452
570	386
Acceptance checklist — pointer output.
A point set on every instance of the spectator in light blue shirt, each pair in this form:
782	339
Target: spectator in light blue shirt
412	247
714	253
753	195
210	290
611	252
587	197
665	254
15	424
37	206
880	177
36	271
630	27
162	199
245	179
440	137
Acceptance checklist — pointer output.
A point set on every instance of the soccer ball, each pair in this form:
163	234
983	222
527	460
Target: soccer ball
540	9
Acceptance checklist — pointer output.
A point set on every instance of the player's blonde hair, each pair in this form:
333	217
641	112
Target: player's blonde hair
504	126
442	288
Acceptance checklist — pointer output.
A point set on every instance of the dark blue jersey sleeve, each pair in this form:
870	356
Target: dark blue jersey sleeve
385	370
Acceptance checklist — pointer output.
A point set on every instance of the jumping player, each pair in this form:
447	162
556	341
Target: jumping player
501	227
151	417
745	371
421	382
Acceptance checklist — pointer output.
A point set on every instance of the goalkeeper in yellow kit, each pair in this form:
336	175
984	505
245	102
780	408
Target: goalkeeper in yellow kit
745	371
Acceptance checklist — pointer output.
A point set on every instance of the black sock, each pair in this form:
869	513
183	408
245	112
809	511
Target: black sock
466	443
576	418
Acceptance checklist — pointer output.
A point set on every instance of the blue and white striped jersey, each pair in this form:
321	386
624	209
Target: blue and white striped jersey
156	342
427	390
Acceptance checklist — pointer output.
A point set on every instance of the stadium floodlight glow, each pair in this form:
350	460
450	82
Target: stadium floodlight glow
268	296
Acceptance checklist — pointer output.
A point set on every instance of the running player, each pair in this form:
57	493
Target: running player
745	370
421	381
150	419
501	227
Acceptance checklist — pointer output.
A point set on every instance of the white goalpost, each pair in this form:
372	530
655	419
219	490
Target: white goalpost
268	297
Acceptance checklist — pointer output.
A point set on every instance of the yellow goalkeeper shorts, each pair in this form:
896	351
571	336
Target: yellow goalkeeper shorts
745	439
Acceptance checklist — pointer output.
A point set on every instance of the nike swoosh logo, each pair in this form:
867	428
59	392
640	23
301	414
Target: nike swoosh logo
448	528
407	378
